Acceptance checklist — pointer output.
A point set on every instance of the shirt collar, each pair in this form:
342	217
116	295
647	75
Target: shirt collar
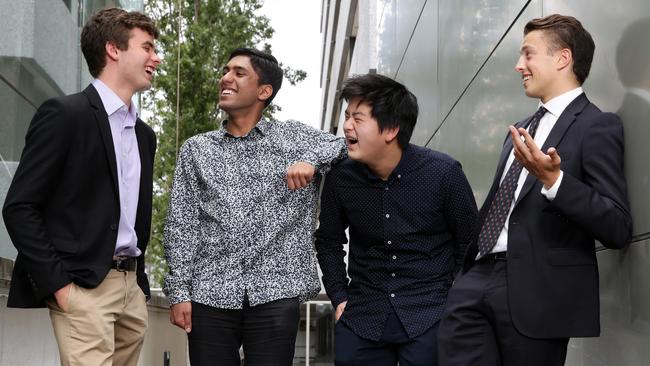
112	103
558	104
263	126
402	166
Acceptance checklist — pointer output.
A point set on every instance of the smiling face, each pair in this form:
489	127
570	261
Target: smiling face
540	67
137	64
239	87
365	143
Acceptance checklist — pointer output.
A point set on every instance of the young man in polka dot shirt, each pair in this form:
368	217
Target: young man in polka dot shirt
409	211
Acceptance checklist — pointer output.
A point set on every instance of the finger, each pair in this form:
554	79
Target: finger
290	181
555	157
179	321
295	183
187	315
303	181
529	141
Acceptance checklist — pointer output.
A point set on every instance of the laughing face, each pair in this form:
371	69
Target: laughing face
138	62
538	65
239	86
365	143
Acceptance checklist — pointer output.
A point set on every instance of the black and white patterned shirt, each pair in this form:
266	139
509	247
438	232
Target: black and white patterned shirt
234	227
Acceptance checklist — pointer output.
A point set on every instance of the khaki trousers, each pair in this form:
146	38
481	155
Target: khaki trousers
103	326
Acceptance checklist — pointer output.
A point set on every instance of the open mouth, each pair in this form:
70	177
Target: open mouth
227	92
351	141
149	70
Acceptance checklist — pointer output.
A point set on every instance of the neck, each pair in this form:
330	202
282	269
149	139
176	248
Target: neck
384	165
561	89
241	125
123	92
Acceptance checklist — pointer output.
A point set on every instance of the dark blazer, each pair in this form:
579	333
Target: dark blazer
62	209
551	268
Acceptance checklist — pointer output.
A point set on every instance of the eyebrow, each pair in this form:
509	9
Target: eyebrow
150	44
238	68
526	48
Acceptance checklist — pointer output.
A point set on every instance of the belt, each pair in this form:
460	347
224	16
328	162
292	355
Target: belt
500	256
124	264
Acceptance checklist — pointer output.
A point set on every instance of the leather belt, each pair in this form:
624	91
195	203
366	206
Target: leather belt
500	256
124	264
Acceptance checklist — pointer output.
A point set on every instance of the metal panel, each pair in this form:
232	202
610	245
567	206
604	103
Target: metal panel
469	31
398	20
418	72
475	129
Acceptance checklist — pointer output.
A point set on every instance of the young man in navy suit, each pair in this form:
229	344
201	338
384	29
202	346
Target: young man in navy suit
79	208
530	278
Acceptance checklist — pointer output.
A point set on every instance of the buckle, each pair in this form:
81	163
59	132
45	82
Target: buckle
124	264
500	256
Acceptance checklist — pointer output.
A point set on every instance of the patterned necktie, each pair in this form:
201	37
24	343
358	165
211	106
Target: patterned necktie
500	207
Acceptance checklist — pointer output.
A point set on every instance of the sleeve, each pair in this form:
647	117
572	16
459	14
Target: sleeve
41	165
319	148
552	192
330	238
598	202
181	234
461	211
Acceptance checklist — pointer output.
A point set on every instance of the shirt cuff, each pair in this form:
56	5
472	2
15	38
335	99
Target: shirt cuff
552	192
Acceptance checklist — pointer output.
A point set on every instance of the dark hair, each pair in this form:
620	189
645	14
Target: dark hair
633	58
393	105
567	32
266	66
111	25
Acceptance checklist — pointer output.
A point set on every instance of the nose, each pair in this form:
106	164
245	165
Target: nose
519	66
347	123
156	58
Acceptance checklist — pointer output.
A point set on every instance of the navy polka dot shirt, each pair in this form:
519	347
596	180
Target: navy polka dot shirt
407	239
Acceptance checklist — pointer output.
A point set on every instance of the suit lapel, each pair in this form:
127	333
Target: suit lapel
567	118
145	164
101	118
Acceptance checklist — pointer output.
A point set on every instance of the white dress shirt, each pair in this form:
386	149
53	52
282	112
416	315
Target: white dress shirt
554	108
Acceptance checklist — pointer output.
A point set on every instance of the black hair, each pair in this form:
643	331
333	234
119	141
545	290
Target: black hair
392	104
266	66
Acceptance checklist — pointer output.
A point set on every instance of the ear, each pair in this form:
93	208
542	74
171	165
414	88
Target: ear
564	58
390	135
264	92
112	51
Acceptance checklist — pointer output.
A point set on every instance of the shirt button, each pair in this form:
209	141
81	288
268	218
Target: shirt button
394	257
392	295
392	274
387	216
390	242
386	188
399	176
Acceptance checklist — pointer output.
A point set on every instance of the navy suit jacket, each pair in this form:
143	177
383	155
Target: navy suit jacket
62	209
552	269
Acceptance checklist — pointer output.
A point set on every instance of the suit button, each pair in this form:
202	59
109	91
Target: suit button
113	227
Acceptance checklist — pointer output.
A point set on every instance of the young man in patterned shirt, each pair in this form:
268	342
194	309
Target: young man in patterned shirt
238	237
409	211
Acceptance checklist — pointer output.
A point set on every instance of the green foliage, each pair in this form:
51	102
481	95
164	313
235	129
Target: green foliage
209	31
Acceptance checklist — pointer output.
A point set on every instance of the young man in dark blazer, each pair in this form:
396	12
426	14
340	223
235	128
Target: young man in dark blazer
79	208
530	279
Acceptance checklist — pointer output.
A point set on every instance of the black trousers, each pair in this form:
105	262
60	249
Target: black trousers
394	347
267	333
476	327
